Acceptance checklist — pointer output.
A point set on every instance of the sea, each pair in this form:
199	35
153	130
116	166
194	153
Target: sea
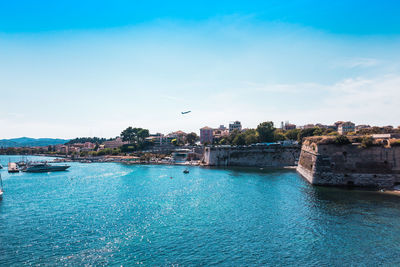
155	215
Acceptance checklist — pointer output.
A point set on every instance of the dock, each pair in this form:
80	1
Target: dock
12	167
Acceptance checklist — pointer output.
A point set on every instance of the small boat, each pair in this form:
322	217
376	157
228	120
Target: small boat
45	167
186	171
1	166
12	167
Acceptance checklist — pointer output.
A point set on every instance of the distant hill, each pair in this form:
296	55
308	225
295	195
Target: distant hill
29	142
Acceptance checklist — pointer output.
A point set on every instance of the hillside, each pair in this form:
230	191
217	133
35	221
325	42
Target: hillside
30	142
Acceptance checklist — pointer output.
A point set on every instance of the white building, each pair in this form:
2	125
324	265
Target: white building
346	127
236	125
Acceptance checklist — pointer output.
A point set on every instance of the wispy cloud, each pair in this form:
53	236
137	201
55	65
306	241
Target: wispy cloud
283	88
357	63
363	100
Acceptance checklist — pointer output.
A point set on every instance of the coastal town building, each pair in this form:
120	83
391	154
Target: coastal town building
362	126
218	133
159	139
346	127
78	147
180	136
322	126
336	125
235	125
116	143
89	145
308	126
63	149
206	135
289	126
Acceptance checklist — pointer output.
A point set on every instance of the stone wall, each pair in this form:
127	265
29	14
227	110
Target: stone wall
256	156
350	165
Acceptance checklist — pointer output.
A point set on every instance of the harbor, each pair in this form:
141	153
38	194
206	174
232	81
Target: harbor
100	213
35	166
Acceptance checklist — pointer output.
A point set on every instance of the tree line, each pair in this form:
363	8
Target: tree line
95	140
267	133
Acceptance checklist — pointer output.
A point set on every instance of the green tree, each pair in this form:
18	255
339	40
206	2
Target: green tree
250	136
292	134
191	138
251	139
95	140
135	136
223	141
317	131
329	131
240	139
342	140
367	141
232	136
128	135
305	133
266	131
279	136
142	134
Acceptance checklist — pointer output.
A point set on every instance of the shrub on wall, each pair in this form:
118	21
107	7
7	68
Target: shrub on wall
394	142
342	140
367	141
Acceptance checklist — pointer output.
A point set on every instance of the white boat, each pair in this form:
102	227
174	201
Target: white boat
12	167
44	167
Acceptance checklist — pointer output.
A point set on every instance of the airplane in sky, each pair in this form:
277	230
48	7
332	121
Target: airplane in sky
186	112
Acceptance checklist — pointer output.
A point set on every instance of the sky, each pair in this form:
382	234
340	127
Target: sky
93	68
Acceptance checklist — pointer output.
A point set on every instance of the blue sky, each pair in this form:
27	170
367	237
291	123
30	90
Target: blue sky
70	69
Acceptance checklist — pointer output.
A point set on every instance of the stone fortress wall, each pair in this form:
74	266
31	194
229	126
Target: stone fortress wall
320	163
252	156
350	165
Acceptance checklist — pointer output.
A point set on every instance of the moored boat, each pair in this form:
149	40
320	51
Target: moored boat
12	167
21	164
45	167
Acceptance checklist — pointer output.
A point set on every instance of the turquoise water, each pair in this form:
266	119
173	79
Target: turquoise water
112	214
